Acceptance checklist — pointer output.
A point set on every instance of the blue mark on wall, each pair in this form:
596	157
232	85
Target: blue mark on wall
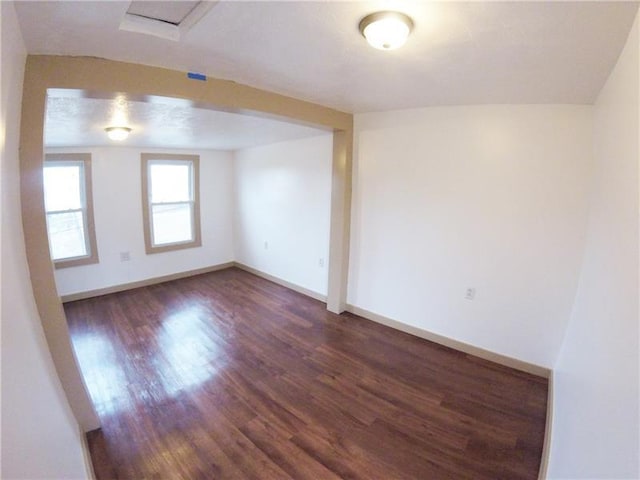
197	76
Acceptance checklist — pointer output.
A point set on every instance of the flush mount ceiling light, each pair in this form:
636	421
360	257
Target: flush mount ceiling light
386	30
117	133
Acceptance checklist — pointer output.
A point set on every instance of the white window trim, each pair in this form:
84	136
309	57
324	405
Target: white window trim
88	218
167	158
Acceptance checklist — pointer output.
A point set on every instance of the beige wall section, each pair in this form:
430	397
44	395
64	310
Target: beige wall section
340	219
40	265
102	77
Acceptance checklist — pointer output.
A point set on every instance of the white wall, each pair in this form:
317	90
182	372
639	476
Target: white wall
117	202
40	436
488	197
596	423
283	198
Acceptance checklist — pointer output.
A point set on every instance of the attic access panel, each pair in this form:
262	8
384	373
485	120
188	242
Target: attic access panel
169	12
170	20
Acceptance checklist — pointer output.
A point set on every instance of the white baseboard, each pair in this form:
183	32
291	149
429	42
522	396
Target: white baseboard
175	276
546	447
439	339
279	281
418	332
142	283
451	343
88	464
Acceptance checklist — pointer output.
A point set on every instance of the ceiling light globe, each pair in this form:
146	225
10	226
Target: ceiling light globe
118	133
386	30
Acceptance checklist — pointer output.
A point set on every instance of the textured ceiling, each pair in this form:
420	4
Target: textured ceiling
73	120
459	52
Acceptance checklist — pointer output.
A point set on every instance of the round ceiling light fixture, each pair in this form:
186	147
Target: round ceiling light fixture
386	30
117	133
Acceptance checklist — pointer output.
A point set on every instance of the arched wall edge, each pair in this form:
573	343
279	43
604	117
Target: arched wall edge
90	74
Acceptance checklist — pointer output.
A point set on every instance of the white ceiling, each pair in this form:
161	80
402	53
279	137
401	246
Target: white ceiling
75	120
459	52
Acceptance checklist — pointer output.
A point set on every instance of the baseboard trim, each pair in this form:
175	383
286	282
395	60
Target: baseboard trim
451	343
88	463
418	332
546	446
279	281
142	283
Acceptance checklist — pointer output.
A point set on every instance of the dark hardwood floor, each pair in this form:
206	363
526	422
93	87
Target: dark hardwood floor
226	375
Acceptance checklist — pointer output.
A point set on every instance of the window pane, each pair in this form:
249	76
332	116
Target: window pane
62	187
66	235
170	182
172	223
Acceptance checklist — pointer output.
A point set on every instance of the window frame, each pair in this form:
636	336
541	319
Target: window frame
146	160
86	190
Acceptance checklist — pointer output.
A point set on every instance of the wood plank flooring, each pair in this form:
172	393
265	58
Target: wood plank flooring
229	376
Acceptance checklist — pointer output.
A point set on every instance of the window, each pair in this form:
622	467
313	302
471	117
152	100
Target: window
69	209
170	199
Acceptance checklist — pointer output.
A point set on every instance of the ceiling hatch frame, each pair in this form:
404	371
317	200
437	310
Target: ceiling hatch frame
157	19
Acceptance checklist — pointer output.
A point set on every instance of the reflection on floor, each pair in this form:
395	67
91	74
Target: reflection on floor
226	375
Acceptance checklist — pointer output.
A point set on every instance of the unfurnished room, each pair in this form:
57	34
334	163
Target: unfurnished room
320	240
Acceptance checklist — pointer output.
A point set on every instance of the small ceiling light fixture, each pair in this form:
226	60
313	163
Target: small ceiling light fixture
117	133
386	30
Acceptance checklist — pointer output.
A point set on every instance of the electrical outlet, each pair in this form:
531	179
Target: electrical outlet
125	256
470	294
321	262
